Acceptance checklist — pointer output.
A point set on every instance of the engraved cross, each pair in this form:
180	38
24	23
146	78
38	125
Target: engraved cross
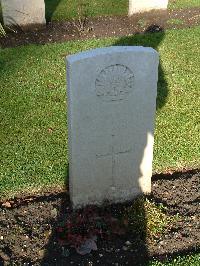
113	155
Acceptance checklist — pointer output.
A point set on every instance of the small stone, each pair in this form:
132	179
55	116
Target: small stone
100	255
41	253
1	237
128	243
7	204
108	249
4	256
161	243
65	252
125	248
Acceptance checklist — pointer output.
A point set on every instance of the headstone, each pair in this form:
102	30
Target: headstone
23	13
139	6
111	108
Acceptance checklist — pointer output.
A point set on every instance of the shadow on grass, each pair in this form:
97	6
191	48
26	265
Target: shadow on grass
50	8
152	37
139	254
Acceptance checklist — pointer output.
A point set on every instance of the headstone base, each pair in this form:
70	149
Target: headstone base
140	6
24	14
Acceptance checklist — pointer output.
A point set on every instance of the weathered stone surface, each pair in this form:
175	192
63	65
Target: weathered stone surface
23	13
111	107
139	6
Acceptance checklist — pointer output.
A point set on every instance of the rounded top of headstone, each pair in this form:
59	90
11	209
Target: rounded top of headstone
93	53
114	83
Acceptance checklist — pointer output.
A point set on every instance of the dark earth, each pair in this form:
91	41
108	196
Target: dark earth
28	224
105	27
28	234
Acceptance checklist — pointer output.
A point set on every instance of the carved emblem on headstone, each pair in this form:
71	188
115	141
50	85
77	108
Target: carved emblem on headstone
114	83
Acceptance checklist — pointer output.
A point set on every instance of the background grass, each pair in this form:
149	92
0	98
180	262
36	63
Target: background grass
67	9
58	10
177	4
189	260
33	108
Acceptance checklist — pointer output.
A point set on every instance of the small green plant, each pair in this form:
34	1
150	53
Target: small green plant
142	22
157	220
147	219
2	31
175	21
82	15
188	260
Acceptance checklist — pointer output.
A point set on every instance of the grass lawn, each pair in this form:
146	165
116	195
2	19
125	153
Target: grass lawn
189	260
176	4
33	108
67	9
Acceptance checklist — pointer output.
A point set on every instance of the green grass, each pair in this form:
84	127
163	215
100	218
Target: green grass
177	4
189	260
147	219
174	21
33	108
67	9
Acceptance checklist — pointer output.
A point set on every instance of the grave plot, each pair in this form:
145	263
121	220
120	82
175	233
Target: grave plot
61	31
31	228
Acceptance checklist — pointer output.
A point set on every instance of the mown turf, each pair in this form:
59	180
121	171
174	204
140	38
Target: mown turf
177	4
189	260
58	10
33	108
67	9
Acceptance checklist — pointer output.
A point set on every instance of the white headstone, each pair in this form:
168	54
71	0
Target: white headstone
23	13
139	6
111	108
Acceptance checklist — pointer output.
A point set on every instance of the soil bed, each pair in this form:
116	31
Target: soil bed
102	27
28	228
